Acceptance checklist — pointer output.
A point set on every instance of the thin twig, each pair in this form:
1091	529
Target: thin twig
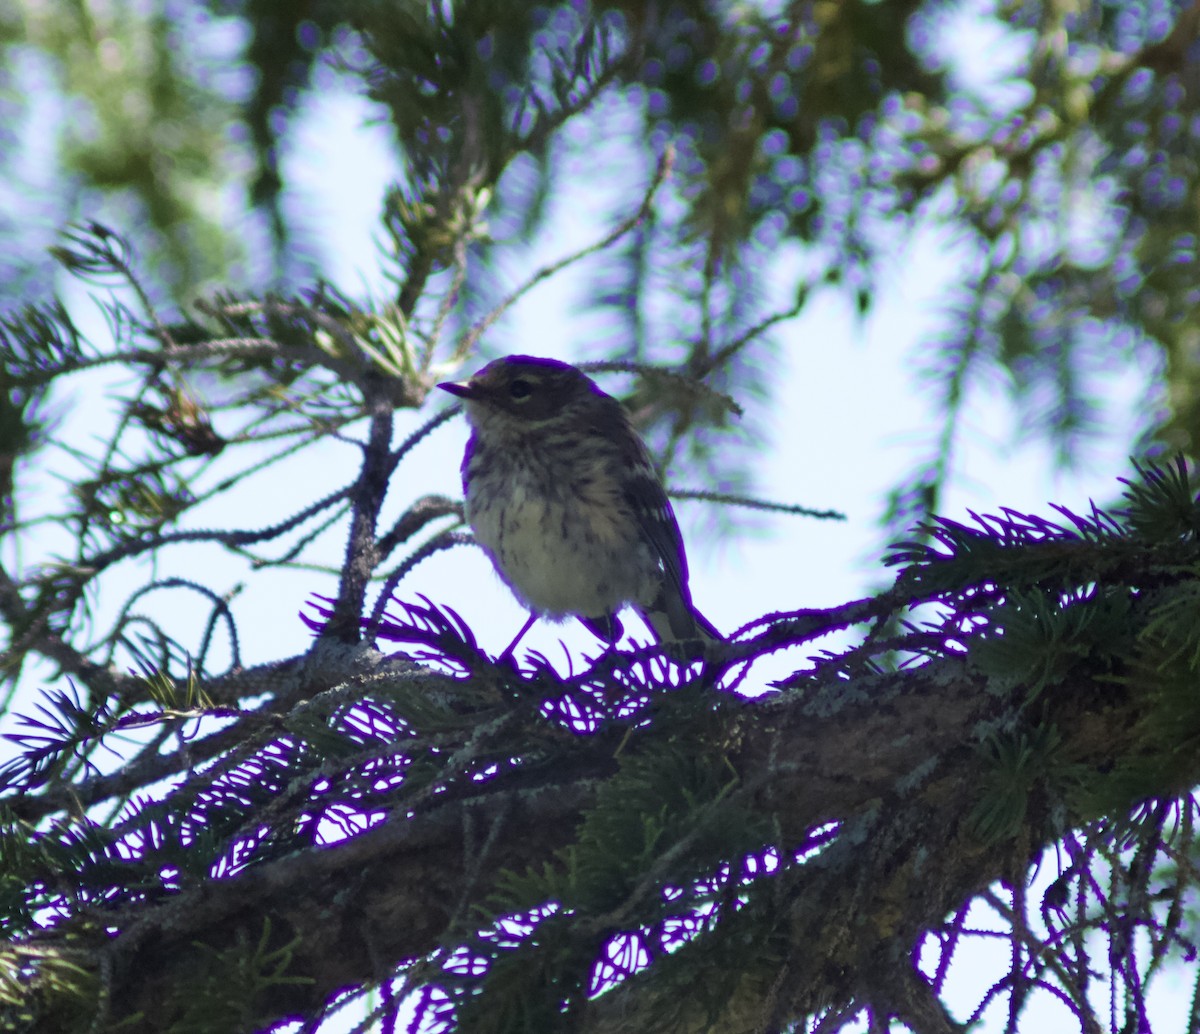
243	348
755	504
661	172
430	425
448	301
727	352
445	540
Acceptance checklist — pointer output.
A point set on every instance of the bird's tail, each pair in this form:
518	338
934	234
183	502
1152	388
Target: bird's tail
675	618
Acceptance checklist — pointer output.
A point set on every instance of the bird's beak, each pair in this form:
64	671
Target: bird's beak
463	389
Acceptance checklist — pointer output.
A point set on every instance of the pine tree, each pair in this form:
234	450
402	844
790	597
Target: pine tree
397	820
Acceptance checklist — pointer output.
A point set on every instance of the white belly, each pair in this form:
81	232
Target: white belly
558	562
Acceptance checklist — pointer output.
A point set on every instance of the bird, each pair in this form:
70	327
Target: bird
562	495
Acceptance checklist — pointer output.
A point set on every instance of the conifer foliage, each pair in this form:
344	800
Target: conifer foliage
503	846
396	825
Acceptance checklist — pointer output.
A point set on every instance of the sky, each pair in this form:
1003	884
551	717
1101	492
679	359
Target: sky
849	415
848	418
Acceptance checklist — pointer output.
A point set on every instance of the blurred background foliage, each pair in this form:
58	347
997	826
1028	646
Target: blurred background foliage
1065	164
837	123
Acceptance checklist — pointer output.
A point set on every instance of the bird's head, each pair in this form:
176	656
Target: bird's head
527	392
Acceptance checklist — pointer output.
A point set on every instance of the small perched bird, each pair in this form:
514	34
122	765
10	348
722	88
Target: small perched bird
562	496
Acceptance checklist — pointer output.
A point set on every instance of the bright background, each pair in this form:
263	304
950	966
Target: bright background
848	418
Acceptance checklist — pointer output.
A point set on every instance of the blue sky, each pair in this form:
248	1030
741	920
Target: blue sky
849	416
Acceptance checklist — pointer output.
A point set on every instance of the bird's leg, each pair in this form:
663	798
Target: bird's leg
607	627
513	645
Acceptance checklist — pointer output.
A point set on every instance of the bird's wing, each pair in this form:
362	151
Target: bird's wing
647	499
655	517
672	610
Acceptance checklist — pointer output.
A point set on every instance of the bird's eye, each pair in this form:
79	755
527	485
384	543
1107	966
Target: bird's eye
520	389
